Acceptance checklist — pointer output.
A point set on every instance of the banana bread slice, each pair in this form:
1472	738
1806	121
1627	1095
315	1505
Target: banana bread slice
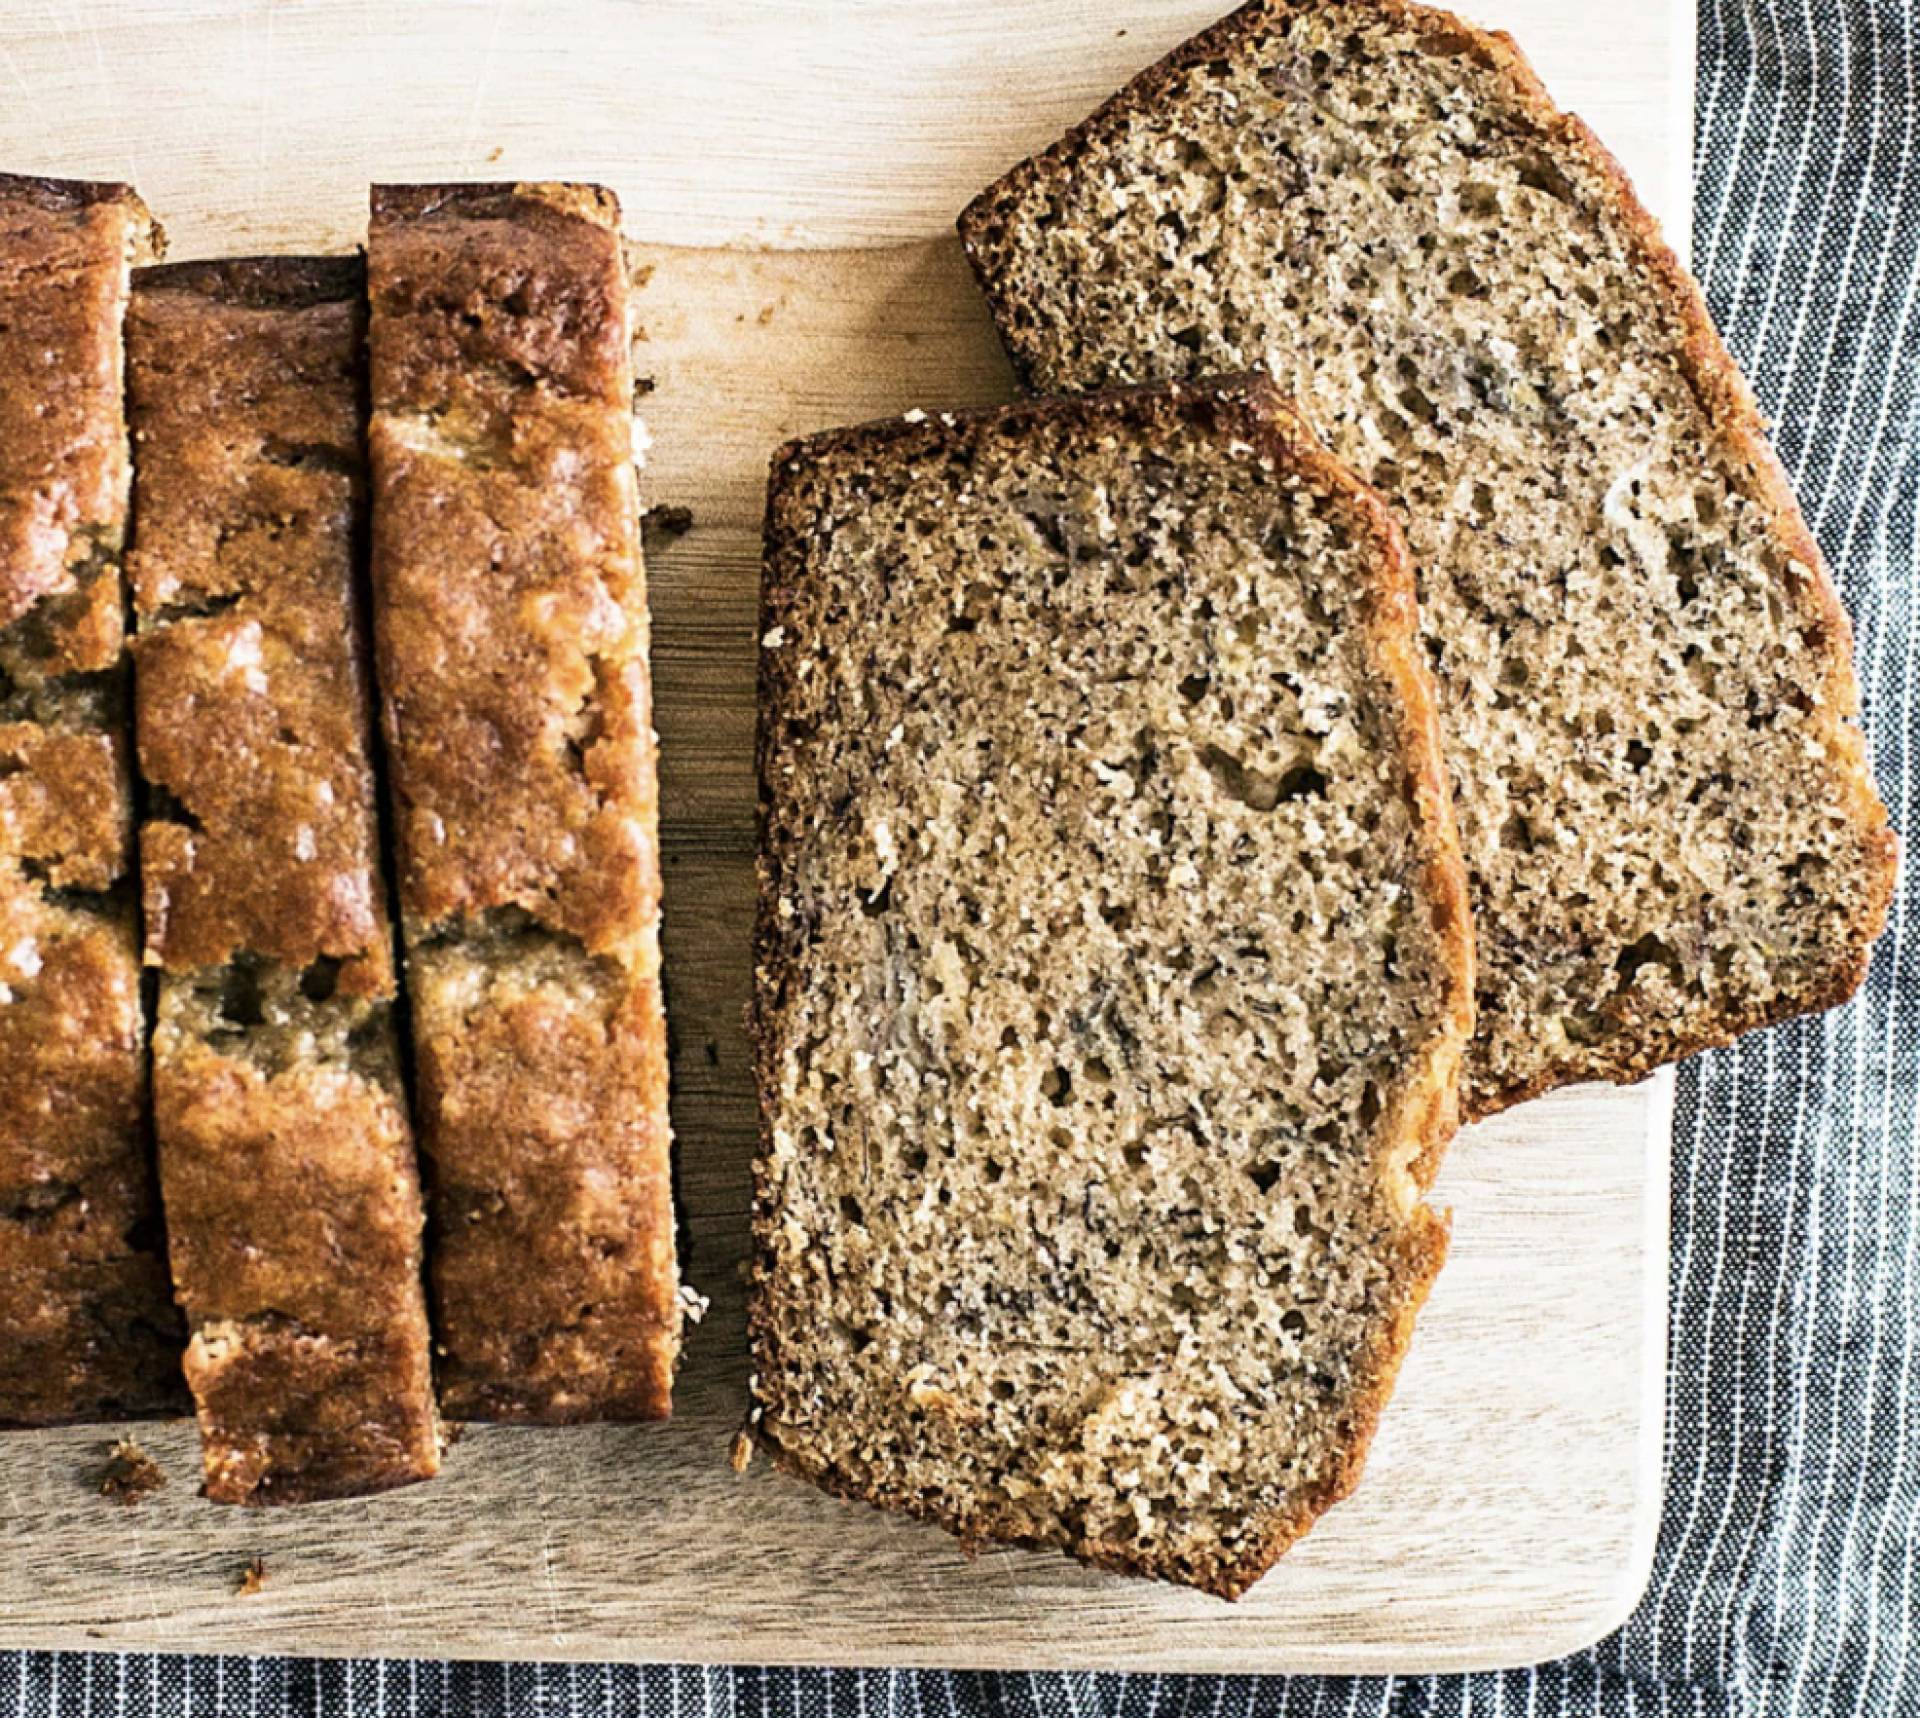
511	612
1113	973
286	1156
88	1328
1645	672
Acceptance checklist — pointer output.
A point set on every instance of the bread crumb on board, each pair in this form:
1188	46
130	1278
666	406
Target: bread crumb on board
252	1578
131	1476
669	521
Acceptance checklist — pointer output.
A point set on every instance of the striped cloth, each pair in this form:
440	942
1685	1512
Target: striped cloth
1785	1584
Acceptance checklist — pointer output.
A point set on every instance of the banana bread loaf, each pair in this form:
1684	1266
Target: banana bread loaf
510	606
88	1328
286	1156
1645	672
1113	974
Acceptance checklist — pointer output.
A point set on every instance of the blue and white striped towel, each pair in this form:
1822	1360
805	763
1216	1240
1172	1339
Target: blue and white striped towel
1786	1583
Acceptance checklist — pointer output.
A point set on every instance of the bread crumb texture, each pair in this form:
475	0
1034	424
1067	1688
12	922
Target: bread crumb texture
1644	669
130	1475
1112	976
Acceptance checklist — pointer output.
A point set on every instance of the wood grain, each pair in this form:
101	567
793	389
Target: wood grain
743	123
1511	1503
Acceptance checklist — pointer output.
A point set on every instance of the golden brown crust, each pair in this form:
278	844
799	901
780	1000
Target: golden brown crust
295	1227
261	283
502	438
292	1196
512	628
560	1306
68	196
90	1329
87	1324
1732	415
65	248
1424	1118
512	200
254	699
63	803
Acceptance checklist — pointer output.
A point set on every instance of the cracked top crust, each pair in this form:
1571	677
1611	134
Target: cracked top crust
519	702
510	603
254	709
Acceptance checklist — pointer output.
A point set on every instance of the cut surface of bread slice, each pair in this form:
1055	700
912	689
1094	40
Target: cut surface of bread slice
1112	975
511	610
88	1328
287	1166
1645	672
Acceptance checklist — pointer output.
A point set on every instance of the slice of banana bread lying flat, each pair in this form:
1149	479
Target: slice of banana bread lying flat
1645	672
1113	973
88	1328
286	1159
511	610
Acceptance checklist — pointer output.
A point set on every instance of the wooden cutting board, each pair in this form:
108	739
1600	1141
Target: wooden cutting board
1510	1507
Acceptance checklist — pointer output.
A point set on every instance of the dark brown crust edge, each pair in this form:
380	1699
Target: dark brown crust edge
147	239
260	283
497	198
62	195
1225	1578
341	1483
1732	415
1424	1119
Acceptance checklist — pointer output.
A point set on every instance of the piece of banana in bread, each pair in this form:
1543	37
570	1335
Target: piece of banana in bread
1645	674
1112	975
